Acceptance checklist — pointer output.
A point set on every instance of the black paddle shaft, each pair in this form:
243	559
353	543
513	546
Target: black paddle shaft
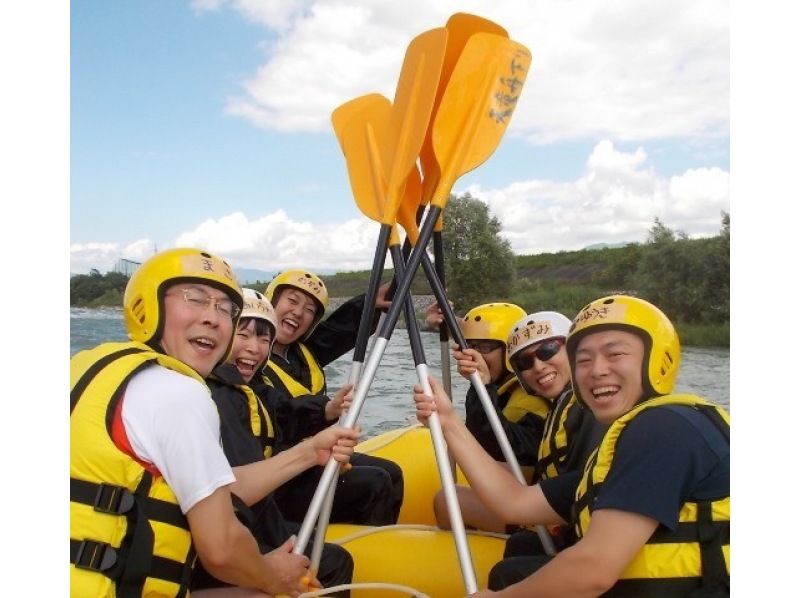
441	298
411	269
412	326
364	325
406	252
438	254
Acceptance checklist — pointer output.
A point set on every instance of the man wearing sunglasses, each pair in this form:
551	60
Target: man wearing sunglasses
538	356
522	415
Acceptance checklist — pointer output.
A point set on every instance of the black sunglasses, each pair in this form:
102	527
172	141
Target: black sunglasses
543	352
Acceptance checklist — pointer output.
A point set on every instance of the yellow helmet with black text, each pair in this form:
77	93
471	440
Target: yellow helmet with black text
662	348
258	307
491	321
143	301
305	281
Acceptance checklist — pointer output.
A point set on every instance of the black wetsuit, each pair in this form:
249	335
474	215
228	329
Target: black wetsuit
369	493
264	518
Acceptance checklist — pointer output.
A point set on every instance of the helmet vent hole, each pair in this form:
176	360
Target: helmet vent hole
607	301
477	318
137	309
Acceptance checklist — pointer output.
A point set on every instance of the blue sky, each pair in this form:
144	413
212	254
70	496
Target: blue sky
206	123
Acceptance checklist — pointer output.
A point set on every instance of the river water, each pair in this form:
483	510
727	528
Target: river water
704	371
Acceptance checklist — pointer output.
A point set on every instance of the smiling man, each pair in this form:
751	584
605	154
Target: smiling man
150	487
651	509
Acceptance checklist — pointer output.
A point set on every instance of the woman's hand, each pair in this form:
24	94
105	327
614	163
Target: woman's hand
336	441
339	403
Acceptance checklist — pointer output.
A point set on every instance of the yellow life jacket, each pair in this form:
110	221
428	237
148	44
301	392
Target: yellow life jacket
260	421
277	377
520	403
697	553
554	444
128	536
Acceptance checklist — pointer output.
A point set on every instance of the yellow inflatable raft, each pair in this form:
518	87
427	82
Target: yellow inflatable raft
413	553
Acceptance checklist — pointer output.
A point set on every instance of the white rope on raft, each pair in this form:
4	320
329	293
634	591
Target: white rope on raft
388	586
366	586
409	526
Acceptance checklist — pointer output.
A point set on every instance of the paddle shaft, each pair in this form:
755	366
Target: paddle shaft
444	345
368	375
483	395
439	446
359	352
362	339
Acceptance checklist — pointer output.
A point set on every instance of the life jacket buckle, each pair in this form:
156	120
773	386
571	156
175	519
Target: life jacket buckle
95	556
115	500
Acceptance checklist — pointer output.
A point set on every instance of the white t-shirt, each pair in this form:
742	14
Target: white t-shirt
172	422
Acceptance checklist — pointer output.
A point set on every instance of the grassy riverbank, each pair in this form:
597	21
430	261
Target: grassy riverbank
690	283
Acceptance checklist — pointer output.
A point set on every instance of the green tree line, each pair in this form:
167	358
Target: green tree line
689	279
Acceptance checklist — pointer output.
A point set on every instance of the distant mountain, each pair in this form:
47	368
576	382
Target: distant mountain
607	245
249	275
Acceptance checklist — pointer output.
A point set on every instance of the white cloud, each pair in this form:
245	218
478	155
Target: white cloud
628	70
103	256
615	200
275	241
275	14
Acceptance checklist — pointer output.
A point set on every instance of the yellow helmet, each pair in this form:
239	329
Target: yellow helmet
491	321
662	348
143	302
305	281
258	307
532	329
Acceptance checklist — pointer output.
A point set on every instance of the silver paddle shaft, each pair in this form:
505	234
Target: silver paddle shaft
332	467
449	487
327	505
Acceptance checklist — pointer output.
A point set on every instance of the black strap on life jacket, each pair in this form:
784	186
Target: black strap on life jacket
715	574
133	561
92	371
243	512
711	413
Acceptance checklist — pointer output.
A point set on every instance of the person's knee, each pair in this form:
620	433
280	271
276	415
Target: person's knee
500	575
364	495
440	511
523	543
395	471
336	565
513	570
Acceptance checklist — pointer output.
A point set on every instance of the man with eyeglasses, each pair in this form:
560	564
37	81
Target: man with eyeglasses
150	487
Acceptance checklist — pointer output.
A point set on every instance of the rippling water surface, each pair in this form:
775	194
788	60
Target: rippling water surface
705	372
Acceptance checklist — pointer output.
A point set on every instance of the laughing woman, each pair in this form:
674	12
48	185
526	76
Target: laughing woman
371	491
248	436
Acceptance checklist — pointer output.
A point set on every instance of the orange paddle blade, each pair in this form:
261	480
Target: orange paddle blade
360	124
460	27
477	106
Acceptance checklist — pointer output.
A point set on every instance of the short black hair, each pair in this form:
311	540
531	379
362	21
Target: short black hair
262	326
